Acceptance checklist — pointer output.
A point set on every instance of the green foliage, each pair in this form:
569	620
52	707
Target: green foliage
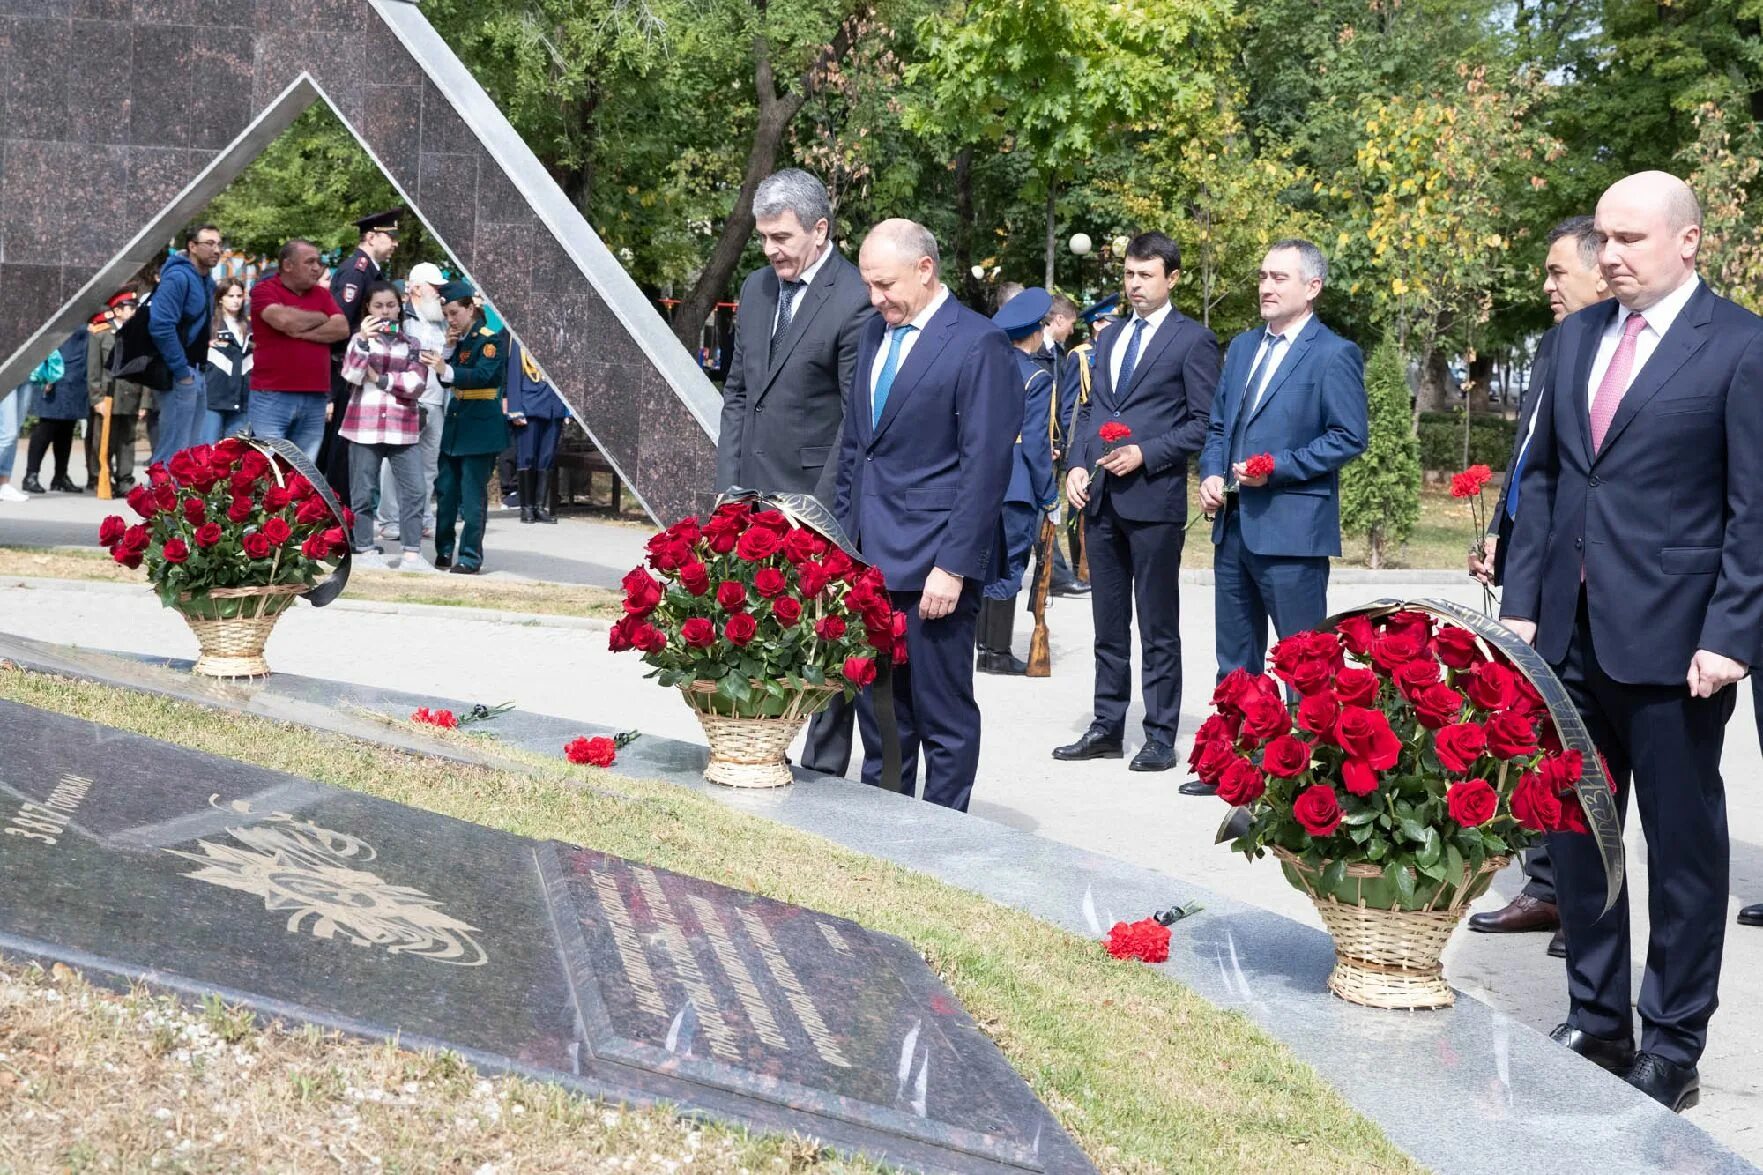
1380	489
1441	441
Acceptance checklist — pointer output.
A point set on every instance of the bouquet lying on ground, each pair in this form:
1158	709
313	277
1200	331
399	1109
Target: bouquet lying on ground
226	516
1411	744
763	608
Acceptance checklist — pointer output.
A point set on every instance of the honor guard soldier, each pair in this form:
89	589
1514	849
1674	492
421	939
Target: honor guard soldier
474	430
1032	491
349	282
1073	391
537	413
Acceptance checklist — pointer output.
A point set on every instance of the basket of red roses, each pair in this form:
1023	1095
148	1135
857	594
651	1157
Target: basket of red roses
231	534
1415	758
759	620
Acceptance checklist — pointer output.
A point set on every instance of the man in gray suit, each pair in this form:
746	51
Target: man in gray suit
783	403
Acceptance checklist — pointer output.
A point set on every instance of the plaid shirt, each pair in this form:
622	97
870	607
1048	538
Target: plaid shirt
389	377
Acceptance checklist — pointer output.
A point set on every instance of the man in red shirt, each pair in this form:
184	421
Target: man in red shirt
294	321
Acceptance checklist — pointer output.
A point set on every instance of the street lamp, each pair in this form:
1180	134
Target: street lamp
1080	248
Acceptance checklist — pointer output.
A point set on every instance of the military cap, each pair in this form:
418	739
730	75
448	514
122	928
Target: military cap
1101	309
458	290
1022	315
380	222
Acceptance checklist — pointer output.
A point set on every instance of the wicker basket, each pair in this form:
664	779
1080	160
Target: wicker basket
232	624
749	752
1388	958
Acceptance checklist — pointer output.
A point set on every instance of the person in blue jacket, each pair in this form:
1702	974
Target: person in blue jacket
1032	493
60	406
537	413
177	319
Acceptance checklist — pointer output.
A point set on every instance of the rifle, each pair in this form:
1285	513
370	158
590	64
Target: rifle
1040	654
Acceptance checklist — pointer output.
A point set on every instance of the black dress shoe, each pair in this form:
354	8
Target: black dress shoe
1614	1055
1093	745
64	485
31	485
1751	915
1522	913
442	562
1558	945
1676	1087
1153	757
1074	588
1197	787
461	569
1005	663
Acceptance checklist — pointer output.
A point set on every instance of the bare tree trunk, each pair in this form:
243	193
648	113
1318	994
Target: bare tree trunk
1435	383
972	292
1052	231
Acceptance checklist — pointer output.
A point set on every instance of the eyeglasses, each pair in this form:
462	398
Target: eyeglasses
214	244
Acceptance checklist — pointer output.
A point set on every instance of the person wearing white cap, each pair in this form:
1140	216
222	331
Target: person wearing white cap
422	321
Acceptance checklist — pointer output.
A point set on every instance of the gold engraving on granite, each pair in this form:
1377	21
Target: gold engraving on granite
685	965
758	1011
46	821
630	948
806	1012
310	871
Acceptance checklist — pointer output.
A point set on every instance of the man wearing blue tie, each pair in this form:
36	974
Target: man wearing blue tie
1294	390
931	418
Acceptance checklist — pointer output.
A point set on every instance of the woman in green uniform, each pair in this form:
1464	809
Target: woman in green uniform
474	431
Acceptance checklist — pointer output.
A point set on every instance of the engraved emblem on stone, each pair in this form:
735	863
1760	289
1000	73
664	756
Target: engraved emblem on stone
313	875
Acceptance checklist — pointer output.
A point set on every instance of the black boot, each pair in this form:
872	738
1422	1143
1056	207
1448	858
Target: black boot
1003	635
542	497
982	637
64	485
31	485
525	477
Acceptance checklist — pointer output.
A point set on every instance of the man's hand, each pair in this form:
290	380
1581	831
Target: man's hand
941	590
1077	488
189	381
103	408
1212	494
1526	629
1123	460
330	410
517	419
1710	673
1244	480
1481	566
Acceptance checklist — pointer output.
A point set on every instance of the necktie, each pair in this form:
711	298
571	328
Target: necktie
1129	360
1616	380
1512	480
1253	389
1263	370
890	366
786	306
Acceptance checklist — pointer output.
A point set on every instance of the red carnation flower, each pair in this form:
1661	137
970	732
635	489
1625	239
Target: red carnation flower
1318	810
1146	940
207	534
176	551
1469	483
1258	466
1286	757
731	595
1113	432
1472	803
111	530
1366	734
1458	746
599	751
698	633
859	671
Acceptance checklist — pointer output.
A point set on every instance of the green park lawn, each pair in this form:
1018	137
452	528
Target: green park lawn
1143	1073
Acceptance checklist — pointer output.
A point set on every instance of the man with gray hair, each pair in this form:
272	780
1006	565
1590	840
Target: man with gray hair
1291	391
796	332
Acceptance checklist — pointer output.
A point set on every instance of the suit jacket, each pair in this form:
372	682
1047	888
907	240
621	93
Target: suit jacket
1312	419
1667	518
1166	404
1031	464
1499	525
923	487
782	407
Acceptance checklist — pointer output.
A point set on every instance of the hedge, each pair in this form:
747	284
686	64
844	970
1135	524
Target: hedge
1441	440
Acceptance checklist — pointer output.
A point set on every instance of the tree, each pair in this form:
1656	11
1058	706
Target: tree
1380	489
1725	163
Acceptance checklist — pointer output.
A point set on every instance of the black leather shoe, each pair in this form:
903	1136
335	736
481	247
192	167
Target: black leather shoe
1558	945
1676	1087
31	485
1197	787
1006	663
1153	757
64	485
1073	588
1093	745
1614	1055
1522	913
1751	915
461	569
442	562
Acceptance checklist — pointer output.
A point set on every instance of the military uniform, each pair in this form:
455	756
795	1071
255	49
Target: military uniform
532	398
349	284
125	405
473	431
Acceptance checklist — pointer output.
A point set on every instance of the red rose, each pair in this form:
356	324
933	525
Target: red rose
1214	747
698	633
1356	687
1472	803
619	639
184	463
165	496
1286	757
1260	465
1563	770
599	751
1511	736
1318	810
694	577
642	592
128	558
337	539
1411	677
195	511
1535	804
1241	782
1490	686
1113	432
314	547
647	638
276	497
830	628
740	628
299	489
1357	633
242	485
1417	624
1359	777
208	534
772	520
1366	734
157	475
770	583
312	511
813	579
667	552
176	551
1458	647
1233	691
254	463
136	538
277	530
1309	677
757	543
111	530
256	545
859	671
1459	746
731	595
239	509
787	610
1265	717
801	545
1394	647
838	564
1318	714
1438	705
141	501
1146	940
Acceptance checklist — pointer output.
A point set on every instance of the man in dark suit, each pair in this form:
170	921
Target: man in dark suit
930	423
1155	374
795	347
1295	390
1637	570
1572	281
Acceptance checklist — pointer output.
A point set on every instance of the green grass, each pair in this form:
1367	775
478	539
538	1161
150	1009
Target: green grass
1144	1074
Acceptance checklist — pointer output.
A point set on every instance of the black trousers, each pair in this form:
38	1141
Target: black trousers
1135	565
828	747
1663	746
56	433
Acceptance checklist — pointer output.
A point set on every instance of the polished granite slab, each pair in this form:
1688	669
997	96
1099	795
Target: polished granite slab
1467	1090
134	858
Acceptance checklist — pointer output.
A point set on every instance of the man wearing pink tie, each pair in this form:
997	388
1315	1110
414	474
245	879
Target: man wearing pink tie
1636	568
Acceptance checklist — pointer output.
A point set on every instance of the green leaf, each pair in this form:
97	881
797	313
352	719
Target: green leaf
1404	880
1453	862
1413	831
1335	875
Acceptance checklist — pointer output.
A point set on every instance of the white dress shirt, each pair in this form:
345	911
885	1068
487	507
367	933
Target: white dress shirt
807	279
1660	315
1289	335
1152	321
920	320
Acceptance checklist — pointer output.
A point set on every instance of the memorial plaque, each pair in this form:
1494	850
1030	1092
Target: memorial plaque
131	857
